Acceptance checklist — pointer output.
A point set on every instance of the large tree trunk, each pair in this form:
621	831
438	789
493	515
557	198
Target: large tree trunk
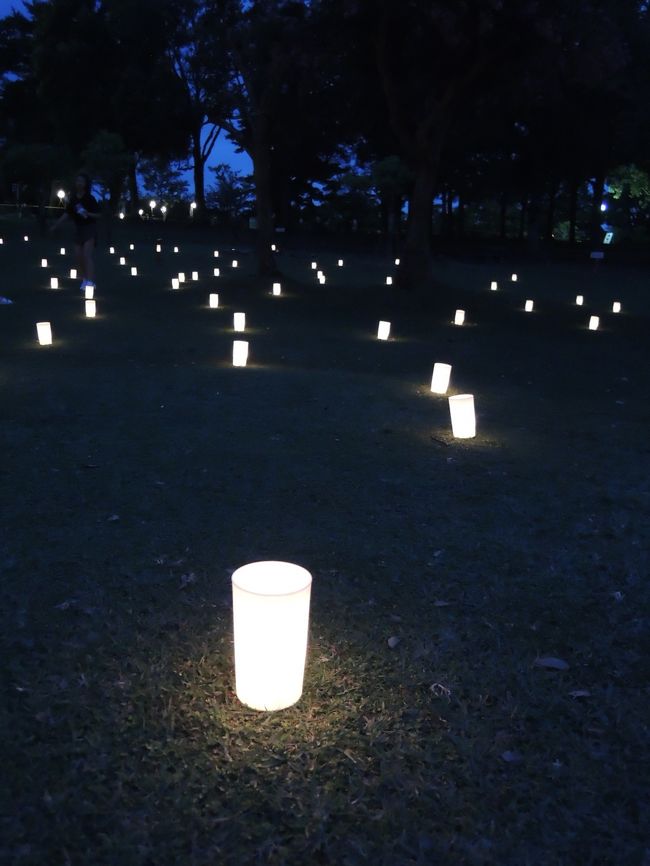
198	171
416	267
263	199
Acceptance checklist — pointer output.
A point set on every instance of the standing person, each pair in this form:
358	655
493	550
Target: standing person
83	210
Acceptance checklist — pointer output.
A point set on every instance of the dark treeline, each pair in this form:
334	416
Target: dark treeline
509	118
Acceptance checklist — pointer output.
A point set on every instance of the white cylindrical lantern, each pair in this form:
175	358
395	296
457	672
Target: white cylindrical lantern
25	238
195	275
44	333
134	271
54	282
43	263
239	353
239	322
273	248
213	300
513	277
322	280
181	277
158	248
235	263
463	419
594	321
277	289
111	250
383	330
62	251
131	246
579	300
528	306
319	274
91	309
389	281
89	291
314	266
397	261
493	286
440	378
216	254
216	272
340	263
175	283
73	273
271	625
459	318
616	307
122	260
175	249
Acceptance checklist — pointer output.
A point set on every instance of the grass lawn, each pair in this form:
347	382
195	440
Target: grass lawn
139	468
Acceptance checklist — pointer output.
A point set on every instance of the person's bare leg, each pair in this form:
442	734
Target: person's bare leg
89	264
81	262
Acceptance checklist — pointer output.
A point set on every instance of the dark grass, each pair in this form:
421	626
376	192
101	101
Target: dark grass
139	468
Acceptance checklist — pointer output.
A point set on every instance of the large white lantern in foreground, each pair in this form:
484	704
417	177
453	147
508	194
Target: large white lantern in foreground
91	309
213	300
463	419
440	378
239	322
383	331
277	289
271	623
459	317
44	333
239	353
528	306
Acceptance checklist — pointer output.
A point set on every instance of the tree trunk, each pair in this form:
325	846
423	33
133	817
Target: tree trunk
415	269
263	199
573	210
198	171
132	181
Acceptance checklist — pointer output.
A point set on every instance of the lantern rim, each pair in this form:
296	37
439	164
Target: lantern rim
298	580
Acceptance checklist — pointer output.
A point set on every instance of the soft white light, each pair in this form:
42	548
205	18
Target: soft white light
383	330
314	266
181	277
271	625
322	280
273	248
603	206
175	249
216	272
152	204
389	281
463	419
140	212
89	292
163	209
131	246
235	263
158	248
239	322
25	237
43	263
44	333
239	353
493	286
91	308
514	278
175	283
276	289
319	274
122	260
213	300
579	300
193	206
459	317
134	271
60	194
73	273
121	215
216	254
54	282
616	307
1	241
195	275
440	378
397	261
340	263
62	251
111	250
528	306
594	322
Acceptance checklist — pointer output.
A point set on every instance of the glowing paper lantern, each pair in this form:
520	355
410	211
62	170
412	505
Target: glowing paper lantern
91	309
131	246
594	322
463	419
271	625
111	250
389	281
213	301
62	251
459	317
493	286
579	300
134	271
54	282
122	214
321	279
383	330
340	263
122	260
89	292
158	248
216	254
73	273
216	272
181	277
195	275
277	289
239	353
43	263
528	306
514	278
319	274
616	307
239	322
235	263
397	261
44	333
175	249
314	266
175	283
273	248
25	238
440	378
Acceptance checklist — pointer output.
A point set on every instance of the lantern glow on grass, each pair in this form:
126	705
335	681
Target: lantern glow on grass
440	378
383	330
239	322
271	625
54	282
459	317
594	322
276	289
91	309
44	333
463	418
213	301
616	307
528	306
239	353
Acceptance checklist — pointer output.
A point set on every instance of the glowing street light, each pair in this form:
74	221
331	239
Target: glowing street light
192	208
60	195
141	212
152	205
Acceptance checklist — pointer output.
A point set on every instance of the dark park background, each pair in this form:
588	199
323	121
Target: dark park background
476	687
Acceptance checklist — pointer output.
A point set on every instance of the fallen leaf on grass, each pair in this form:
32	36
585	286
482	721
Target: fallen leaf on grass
551	663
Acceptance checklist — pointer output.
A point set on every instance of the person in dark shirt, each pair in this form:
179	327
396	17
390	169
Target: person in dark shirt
83	210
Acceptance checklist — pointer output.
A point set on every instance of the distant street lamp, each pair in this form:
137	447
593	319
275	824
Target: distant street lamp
121	214
61	195
152	205
140	212
192	208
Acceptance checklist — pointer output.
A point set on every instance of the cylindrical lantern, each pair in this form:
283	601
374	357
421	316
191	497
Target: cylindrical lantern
62	251
235	263
314	266
111	250
122	260
25	238
616	307
239	353
175	249
528	306
131	246
440	378
54	282
389	281
594	321
383	331
73	273
277	289
216	254
271	625
89	291
175	283
319	274
195	275
397	261
579	300
44	333
216	272
43	263
321	279
459	318
134	271
91	309
181	277
463	419
513	277
493	286
340	263
239	322
158	248
213	300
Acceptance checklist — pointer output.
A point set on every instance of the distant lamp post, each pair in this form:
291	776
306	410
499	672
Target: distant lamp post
271	625
163	211
61	196
192	208
141	212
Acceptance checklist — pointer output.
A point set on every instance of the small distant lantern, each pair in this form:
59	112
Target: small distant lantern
216	272
271	625
235	263
89	291
319	274
122	260
594	322
273	248
389	281
277	289
383	330
216	254
175	249
213	300
463	418
616	307
459	317
62	251
91	308
176	283
239	353
121	214
54	282
494	286
158	248
513	277
322	279
340	263
181	277
43	263
111	250
73	273
440	378
25	238
239	322
131	247
134	271
579	300
195	275
44	333
528	306
397	261
314	266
